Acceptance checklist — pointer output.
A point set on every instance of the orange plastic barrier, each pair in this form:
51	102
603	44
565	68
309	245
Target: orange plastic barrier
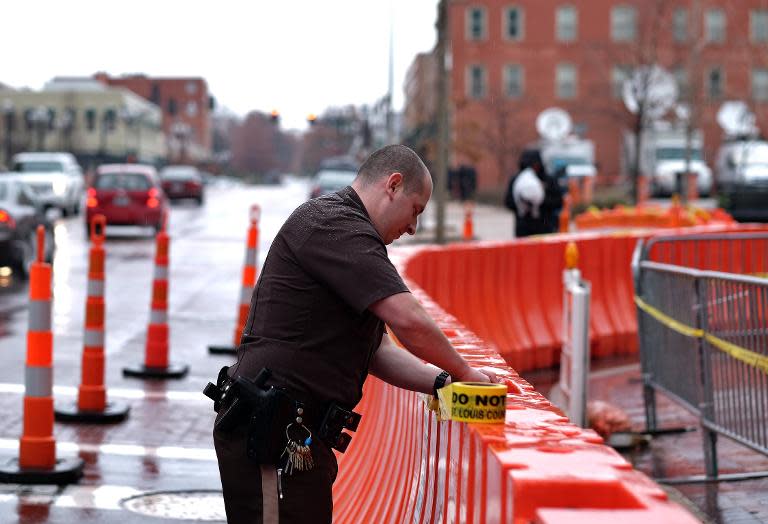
250	272
650	216
406	466
510	294
92	403
37	461
156	363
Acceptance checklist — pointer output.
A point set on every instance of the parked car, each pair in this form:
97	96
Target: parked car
330	180
127	195
56	178
21	211
180	182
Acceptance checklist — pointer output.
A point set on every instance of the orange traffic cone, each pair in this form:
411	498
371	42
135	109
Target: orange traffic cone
249	282
156	352
92	403
37	463
469	227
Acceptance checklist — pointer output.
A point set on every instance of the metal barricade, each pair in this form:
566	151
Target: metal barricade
574	360
704	336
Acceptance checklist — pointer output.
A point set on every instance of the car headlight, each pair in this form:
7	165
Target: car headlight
59	187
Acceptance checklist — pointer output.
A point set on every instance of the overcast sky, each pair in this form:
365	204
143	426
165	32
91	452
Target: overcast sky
296	56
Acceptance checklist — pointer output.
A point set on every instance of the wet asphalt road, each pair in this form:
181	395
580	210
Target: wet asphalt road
165	444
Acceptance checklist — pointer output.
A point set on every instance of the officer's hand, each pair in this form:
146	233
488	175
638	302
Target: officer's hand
479	375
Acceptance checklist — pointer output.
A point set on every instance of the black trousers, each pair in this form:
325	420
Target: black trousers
306	495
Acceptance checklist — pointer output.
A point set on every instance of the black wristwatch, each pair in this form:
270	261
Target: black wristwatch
440	381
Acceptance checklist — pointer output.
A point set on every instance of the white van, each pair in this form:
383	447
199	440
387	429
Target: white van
742	178
56	179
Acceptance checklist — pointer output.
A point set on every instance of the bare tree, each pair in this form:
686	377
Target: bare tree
492	132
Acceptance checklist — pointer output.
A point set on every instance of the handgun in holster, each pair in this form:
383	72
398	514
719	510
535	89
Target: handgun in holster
233	399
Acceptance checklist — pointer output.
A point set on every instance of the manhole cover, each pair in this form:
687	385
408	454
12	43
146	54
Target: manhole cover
204	506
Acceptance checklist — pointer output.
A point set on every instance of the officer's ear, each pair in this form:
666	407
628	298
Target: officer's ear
394	183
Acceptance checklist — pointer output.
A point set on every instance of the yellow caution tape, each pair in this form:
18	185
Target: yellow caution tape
473	402
668	321
741	354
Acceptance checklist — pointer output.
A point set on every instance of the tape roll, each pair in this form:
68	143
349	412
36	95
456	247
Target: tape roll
476	402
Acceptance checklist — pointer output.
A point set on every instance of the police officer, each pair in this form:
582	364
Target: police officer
317	323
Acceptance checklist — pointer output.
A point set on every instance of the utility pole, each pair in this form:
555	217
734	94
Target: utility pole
441	162
390	86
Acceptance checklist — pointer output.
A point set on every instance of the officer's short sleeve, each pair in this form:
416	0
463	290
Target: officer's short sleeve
349	258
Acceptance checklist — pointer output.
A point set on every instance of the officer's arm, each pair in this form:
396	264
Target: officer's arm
416	330
398	367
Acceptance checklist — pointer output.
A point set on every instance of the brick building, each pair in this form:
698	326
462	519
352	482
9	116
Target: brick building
512	59
186	106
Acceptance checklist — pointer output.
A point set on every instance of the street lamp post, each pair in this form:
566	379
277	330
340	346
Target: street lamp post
8	117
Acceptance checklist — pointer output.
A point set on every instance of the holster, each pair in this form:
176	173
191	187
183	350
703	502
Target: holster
269	410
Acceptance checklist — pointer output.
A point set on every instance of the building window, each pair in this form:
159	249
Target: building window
191	87
760	85
172	107
619	75
191	109
680	25
681	79
714	26
476	81
476	23
565	79
513	23
758	25
566	23
90	119
715	82
623	23
513	80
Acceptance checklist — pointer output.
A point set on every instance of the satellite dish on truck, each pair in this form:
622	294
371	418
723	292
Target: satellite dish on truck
554	124
736	119
651	87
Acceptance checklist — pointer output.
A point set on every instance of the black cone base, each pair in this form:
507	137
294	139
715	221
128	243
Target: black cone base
222	350
66	471
171	371
113	413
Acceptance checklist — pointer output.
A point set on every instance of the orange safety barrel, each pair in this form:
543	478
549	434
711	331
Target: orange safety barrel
92	403
156	363
37	461
250	273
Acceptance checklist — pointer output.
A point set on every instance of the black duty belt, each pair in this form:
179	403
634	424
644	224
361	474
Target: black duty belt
268	410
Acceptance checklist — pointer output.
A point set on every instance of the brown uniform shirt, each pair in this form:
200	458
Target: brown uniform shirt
309	321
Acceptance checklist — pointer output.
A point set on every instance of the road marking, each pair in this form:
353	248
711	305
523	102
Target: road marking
125	450
103	497
131	394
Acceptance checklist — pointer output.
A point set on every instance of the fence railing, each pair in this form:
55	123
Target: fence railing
704	334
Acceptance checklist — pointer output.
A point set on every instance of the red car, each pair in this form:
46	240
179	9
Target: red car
182	182
127	195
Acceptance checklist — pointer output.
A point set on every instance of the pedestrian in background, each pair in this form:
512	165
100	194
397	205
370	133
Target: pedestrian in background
533	196
317	322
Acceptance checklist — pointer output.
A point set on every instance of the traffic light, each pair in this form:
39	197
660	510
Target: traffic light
311	118
274	116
